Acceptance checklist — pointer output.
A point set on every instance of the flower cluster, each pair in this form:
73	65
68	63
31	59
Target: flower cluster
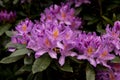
57	34
98	49
6	16
110	74
61	16
94	49
78	2
53	34
112	37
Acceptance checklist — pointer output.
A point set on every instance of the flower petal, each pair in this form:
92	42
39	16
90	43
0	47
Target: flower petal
92	61
72	53
53	54
82	57
60	45
62	60
105	64
39	53
11	49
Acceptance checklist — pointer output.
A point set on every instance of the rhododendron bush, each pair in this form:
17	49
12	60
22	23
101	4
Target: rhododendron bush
59	40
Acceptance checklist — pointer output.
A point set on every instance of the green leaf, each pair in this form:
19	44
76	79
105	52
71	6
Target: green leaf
19	78
90	73
9	59
111	7
22	14
4	28
95	20
88	17
107	20
99	28
76	60
115	1
54	65
6	1
20	52
15	1
1	3
28	60
31	77
41	64
9	33
23	69
114	17
78	10
66	67
39	76
116	60
18	46
10	44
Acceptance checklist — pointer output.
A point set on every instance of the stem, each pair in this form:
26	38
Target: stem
100	7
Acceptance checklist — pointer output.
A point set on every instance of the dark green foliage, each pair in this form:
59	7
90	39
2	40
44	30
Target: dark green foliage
22	66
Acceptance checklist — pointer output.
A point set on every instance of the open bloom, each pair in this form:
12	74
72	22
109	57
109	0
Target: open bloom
116	70
40	42
64	15
55	32
88	45
112	37
66	45
105	75
23	32
103	55
46	46
24	27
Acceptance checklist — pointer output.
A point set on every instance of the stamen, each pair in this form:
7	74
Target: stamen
63	15
49	17
90	50
47	42
104	54
55	33
67	36
24	28
56	50
111	75
24	42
